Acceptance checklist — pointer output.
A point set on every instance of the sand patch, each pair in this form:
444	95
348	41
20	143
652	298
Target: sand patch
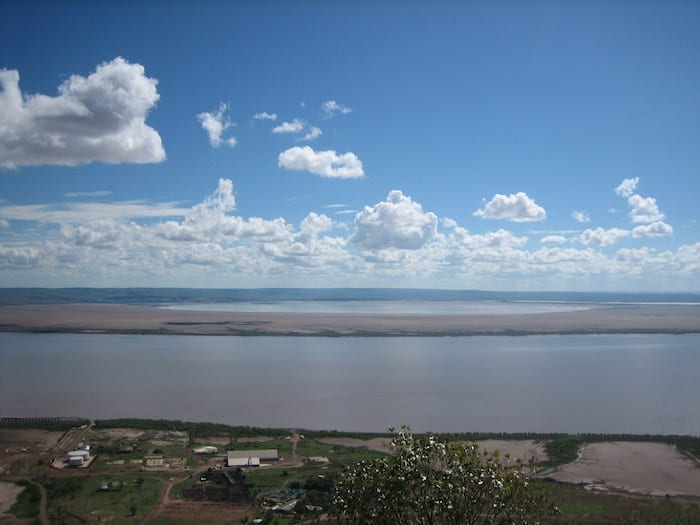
645	468
119	318
376	444
216	440
523	450
8	496
253	439
121	433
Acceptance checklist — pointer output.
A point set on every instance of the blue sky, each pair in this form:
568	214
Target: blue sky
494	145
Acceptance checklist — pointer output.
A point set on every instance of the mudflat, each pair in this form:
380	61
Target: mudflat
644	468
120	318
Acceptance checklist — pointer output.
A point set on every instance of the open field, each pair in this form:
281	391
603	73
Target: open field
98	318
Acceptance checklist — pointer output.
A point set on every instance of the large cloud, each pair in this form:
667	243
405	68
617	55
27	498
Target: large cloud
397	222
96	118
514	207
323	163
644	209
393	243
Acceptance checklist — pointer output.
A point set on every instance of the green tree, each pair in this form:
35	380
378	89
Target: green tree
431	482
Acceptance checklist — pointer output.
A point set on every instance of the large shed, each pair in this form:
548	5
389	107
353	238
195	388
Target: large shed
250	457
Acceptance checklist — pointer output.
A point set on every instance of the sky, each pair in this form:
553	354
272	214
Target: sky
457	145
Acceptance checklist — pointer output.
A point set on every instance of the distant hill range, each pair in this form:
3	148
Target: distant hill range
159	296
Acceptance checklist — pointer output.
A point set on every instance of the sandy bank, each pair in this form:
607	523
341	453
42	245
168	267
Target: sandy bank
645	468
81	318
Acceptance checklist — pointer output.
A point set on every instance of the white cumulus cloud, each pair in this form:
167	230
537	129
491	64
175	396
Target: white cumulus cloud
331	107
101	117
602	237
514	207
655	229
324	163
644	209
627	187
397	222
295	126
215	124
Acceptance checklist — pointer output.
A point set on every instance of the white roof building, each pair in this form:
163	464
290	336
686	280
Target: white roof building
243	462
250	458
264	454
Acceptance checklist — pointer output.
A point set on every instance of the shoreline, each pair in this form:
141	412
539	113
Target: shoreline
151	320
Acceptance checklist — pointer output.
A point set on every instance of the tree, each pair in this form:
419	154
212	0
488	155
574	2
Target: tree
430	482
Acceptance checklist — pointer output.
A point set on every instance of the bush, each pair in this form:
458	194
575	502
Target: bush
431	482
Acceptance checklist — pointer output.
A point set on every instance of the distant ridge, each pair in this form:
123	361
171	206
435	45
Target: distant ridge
156	296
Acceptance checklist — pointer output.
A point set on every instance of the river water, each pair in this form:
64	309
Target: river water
589	383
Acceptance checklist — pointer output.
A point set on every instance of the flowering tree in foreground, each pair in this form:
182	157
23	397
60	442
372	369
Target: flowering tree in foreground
430	482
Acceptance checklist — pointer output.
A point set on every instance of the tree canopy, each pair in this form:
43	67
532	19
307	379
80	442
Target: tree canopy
428	481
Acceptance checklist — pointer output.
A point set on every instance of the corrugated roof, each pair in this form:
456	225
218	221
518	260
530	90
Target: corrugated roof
269	454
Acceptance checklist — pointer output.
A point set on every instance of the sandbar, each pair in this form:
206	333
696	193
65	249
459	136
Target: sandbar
645	468
122	318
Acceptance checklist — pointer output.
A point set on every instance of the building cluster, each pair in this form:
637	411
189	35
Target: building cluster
79	457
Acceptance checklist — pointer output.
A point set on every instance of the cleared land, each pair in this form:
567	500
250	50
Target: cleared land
8	495
80	318
524	450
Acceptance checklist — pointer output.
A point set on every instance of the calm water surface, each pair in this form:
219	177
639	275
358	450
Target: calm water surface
616	383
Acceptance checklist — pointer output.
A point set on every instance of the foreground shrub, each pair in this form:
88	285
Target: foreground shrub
430	482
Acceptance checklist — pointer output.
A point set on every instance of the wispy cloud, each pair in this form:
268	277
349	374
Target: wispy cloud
580	216
215	124
312	134
81	194
331	108
265	116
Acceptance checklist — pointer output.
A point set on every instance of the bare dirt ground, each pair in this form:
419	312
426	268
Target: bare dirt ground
120	433
644	468
143	319
28	437
254	439
376	444
204	512
8	495
216	440
523	450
